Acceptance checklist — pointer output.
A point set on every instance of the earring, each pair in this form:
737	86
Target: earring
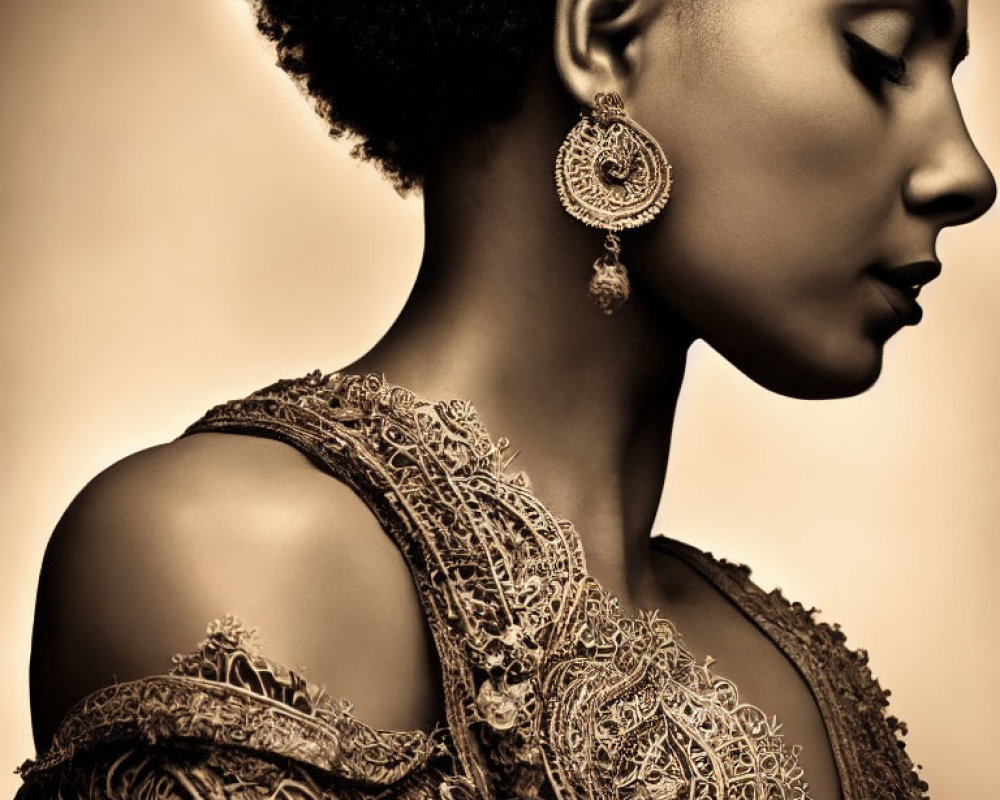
611	174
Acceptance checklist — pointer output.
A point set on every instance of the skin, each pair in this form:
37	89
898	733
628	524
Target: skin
791	180
770	243
764	250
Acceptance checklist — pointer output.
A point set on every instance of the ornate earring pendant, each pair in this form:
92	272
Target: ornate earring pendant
611	174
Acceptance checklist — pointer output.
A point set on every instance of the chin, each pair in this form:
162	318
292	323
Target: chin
819	374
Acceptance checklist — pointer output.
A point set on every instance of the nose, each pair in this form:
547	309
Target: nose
951	182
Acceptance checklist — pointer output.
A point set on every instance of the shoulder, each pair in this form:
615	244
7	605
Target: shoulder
172	537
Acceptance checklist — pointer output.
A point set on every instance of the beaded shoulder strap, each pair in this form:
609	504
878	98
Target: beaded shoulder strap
551	690
494	570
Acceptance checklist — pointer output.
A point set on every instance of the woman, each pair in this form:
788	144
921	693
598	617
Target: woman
802	227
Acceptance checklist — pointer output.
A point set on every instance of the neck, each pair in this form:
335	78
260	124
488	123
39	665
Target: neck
500	316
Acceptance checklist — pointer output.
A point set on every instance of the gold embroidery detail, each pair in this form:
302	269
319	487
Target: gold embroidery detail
225	696
551	690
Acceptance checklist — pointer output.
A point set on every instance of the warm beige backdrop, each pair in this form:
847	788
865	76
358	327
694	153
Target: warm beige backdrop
176	230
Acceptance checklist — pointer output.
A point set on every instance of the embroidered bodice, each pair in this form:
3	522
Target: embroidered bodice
551	690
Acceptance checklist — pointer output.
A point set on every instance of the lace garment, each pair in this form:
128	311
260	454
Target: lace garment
551	690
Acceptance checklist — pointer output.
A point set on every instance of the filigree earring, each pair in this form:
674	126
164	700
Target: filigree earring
611	174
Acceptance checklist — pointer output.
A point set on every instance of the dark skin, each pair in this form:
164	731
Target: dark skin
764	251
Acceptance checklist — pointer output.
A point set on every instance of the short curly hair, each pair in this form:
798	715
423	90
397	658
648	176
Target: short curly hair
401	76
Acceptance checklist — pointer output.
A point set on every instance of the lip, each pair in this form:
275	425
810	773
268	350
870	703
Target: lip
901	285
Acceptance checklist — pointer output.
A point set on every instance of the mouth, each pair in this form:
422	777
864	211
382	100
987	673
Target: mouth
901	285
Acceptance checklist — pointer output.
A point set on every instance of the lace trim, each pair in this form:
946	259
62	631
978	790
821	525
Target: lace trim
227	695
868	743
207	773
550	689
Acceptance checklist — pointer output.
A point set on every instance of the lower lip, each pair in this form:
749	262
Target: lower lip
903	302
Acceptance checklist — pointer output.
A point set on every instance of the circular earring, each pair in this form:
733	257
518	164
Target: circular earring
611	174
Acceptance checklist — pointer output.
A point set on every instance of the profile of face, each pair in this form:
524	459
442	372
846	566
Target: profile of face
818	149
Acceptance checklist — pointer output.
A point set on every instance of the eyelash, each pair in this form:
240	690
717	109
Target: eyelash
873	67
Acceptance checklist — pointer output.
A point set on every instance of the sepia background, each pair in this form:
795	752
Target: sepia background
177	230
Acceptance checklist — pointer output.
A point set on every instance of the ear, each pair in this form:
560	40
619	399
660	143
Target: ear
598	43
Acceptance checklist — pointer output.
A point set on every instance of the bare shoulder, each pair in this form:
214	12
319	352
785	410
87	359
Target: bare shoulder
172	537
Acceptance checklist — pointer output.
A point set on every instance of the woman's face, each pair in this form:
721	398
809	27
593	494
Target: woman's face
817	147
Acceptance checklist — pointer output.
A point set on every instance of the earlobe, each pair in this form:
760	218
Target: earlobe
597	44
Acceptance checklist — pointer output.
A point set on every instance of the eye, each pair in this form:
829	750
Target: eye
872	66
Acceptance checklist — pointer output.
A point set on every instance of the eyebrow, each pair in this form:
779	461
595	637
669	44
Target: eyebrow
942	11
943	15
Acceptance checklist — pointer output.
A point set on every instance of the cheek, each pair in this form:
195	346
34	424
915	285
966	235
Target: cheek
782	186
778	140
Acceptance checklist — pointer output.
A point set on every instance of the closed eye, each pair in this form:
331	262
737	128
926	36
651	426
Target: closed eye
873	67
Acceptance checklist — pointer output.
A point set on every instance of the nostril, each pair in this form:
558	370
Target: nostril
951	205
960	208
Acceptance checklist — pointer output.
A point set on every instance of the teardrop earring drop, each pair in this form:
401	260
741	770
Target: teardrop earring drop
611	174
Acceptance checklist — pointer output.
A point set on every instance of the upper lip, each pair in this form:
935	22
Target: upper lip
909	277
